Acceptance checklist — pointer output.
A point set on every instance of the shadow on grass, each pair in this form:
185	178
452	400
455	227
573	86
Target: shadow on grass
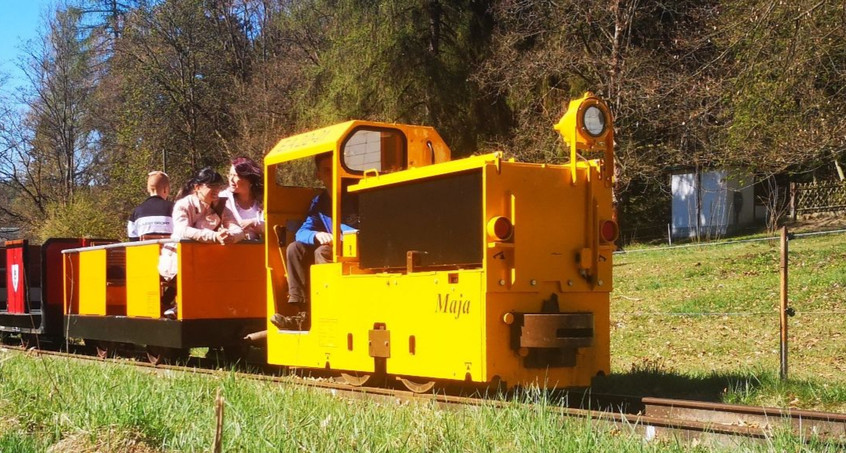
623	392
651	380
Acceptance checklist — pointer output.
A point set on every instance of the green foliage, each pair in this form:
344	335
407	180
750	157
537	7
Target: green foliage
90	214
789	60
19	442
411	65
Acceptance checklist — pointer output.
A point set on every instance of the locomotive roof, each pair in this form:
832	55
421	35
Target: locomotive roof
329	138
308	143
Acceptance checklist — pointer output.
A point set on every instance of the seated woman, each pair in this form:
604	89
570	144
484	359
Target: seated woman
195	218
243	196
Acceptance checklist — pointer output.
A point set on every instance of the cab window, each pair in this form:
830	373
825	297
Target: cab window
377	149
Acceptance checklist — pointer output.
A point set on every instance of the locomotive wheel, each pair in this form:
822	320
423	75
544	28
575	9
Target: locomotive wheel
28	341
356	379
422	387
106	349
161	355
236	353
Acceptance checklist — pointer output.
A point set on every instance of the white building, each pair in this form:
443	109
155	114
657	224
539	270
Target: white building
713	203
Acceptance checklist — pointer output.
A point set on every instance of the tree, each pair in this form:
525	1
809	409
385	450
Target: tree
405	61
50	149
787	102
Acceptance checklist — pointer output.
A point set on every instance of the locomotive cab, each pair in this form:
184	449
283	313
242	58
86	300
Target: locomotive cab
357	149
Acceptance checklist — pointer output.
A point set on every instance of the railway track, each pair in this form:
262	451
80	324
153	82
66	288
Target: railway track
654	419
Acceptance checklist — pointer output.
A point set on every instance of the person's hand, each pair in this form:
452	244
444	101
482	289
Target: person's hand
222	235
249	224
323	238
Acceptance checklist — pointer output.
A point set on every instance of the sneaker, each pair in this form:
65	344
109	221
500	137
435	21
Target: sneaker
278	320
170	313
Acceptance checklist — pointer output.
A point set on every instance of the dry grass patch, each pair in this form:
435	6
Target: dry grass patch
107	442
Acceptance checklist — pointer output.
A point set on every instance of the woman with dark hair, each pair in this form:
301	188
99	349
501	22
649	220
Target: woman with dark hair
244	195
195	218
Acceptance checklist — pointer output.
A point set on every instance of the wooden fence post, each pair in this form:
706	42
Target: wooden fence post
217	444
783	305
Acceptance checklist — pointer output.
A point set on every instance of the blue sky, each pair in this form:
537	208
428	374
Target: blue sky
19	22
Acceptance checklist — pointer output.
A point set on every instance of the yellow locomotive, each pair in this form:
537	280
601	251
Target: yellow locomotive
475	271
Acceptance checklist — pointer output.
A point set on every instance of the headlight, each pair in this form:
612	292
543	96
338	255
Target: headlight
594	121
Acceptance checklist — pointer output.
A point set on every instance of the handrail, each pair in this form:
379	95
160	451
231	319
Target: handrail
119	245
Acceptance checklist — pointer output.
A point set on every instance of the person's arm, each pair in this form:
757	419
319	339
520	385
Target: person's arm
259	225
131	231
228	221
312	224
182	228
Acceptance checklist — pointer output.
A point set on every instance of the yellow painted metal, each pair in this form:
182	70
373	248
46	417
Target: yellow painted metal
444	318
350	243
549	229
414	174
424	146
572	129
547	255
285	209
308	143
542	259
143	282
220	281
92	282
507	363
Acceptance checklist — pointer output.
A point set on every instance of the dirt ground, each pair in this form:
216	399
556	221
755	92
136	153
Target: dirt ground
817	222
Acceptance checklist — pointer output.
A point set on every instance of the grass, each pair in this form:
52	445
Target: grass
103	407
706	319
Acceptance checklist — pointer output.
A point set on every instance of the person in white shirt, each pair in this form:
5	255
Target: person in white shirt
244	196
154	215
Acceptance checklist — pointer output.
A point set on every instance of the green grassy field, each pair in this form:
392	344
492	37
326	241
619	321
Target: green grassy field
704	322
59	405
695	322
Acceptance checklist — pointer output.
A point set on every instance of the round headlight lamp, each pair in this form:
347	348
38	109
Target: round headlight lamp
594	121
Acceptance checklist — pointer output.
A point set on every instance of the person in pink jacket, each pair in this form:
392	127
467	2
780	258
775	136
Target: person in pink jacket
195	218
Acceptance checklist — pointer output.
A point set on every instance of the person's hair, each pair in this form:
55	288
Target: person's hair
246	168
205	176
158	181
